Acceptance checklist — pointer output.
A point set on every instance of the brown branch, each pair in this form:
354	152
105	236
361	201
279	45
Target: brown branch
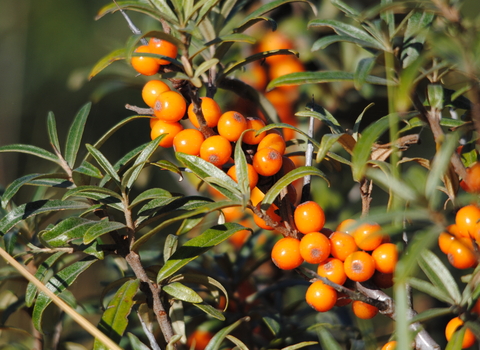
139	110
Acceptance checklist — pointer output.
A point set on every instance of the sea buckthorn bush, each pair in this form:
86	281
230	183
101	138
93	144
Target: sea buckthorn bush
282	198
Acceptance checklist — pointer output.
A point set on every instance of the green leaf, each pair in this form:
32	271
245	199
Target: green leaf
13	188
66	231
205	170
364	67
212	284
100	228
350	11
326	339
435	95
218	338
152	193
342	28
272	324
88	169
439	274
197	246
326	41
29	149
92	189
238	343
166	165
241	168
430	314
182	292
107	60
136	343
205	8
383	177
320	113
300	345
211	311
363	148
205	66
57	284
456	341
415	35
301	78
163	10
30	209
356	126
115	318
287	179
430	289
103	162
52	131
140	162
327	142
40	274
75	134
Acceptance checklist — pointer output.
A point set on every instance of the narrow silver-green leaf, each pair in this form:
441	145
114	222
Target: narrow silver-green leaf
415	35
430	314
140	161
13	188
364	67
211	311
88	169
91	189
323	115
66	231
182	292
100	228
151	193
382	176
218	338
107	60
27	210
197	246
435	95
103	162
52	131
205	8
75	134
301	345
326	339
326	41
30	149
241	168
430	289
205	66
115	318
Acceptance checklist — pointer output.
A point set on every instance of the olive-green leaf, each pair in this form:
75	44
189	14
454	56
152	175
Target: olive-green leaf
115	318
205	66
430	289
30	209
287	179
30	149
182	292
40	274
103	162
439	274
430	314
136	343
197	246
13	188
100	228
66	231
152	193
87	168
326	339
107	60
218	338
91	189
57	284
300	345
52	131
326	41
75	134
455	343
140	162
162	11
364	67
241	168
323	115
415	35
211	311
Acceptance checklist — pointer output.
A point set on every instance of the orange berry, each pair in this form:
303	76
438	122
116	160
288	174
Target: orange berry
216	150
286	253
391	345
170	106
386	257
332	268
342	245
359	266
451	328
188	141
239	238
320	296
269	212
288	65
461	254
466	219
345	226
363	310
309	217
232	213
267	161
152	89
231	125
255	75
249	137
368	236
314	247
252	175
199	339
142	64
162	47
476	307
383	280
256	196
211	112
445	240
170	129
274	41
472	180
274	141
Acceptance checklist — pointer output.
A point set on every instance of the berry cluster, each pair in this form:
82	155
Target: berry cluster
356	255
146	65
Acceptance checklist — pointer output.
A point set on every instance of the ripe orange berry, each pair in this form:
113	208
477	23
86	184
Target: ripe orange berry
255	75
252	175
267	161
142	64
249	137
332	268
216	150
274	141
256	196
274	41
273	216
359	266
466	219
472	180
211	112
314	247
239	238
152	89
368	236
461	254
451	328
342	245
286	253
170	106
445	240
231	125
309	217
386	257
345	226
232	213
288	65
199	339
320	296
363	310
171	129
188	141
162	47
391	345
476	307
